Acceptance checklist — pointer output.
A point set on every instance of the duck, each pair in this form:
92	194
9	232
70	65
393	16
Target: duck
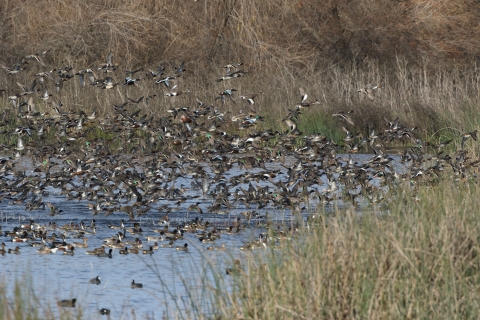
136	285
47	250
96	250
129	81
67	303
95	280
134	230
133	250
167	245
149	251
109	66
250	97
233	270
175	235
80	244
108	83
306	104
3	251
62	247
104	312
118	245
20	146
121	226
15	251
136	243
303	95
152	239
206	239
232	75
232	65
69	253
183	248
228	93
176	93
105	255
467	135
114	238
165	81
124	251
15	69
195	207
344	117
38	57
222	247
368	91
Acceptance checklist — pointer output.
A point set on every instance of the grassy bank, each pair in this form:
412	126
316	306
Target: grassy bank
419	261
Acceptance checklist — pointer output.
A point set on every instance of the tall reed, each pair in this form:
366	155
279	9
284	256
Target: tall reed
419	259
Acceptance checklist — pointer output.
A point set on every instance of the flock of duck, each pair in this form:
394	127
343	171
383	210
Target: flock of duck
188	167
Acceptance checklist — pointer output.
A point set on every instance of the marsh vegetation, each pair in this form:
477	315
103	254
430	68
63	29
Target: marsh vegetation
148	92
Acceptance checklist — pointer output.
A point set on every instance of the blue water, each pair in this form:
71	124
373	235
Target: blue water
175	283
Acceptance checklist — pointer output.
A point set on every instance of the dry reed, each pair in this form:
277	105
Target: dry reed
420	260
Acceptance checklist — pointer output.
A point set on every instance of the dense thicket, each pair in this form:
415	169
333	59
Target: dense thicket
306	34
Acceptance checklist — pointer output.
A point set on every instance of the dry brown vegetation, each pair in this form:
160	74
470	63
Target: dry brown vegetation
305	34
423	53
420	261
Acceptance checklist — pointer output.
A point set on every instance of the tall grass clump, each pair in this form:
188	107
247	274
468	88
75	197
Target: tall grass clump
419	260
20	302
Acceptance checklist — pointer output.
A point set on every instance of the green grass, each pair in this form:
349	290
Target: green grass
317	121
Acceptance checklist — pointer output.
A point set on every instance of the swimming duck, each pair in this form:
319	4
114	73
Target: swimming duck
136	285
118	245
222	247
150	238
16	251
69	253
96	250
80	244
133	250
95	280
67	303
149	251
121	226
47	250
105	255
104	312
183	248
167	245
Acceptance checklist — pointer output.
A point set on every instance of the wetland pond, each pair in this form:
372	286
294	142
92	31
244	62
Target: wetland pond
168	272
